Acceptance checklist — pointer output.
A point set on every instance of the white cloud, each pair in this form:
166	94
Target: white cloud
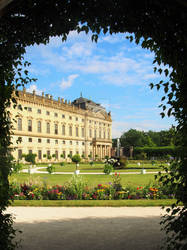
34	87
68	83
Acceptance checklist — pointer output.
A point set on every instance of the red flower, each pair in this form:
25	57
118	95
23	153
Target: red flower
116	174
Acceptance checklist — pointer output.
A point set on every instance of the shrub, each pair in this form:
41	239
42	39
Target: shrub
50	169
123	162
108	168
30	158
62	164
75	188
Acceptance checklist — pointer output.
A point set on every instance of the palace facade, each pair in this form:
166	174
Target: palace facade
59	128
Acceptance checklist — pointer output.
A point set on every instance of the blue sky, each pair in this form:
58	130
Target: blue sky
113	72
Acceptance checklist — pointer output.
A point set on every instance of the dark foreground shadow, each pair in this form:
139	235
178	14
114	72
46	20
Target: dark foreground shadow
92	234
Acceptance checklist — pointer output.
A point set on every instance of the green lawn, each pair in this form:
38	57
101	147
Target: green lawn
93	203
92	180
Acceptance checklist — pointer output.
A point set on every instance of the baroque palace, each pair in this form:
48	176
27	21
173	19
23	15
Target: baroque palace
48	127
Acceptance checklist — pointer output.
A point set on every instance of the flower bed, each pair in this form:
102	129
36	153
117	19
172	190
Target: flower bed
77	189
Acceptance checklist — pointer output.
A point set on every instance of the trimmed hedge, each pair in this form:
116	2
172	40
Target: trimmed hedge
157	151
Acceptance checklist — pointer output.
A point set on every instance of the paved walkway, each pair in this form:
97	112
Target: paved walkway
92	228
37	171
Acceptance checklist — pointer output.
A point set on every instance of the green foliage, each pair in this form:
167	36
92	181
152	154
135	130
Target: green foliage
108	168
17	167
49	157
62	156
8	233
30	158
160	152
76	186
123	162
176	182
76	158
50	168
62	164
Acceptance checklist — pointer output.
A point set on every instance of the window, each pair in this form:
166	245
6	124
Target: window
104	134
20	107
76	118
70	142
55	114
47	113
30	139
56	154
77	152
71	153
82	120
39	140
95	133
90	121
48	140
82	132
19	154
39	126
30	151
64	142
29	109
83	143
19	124
39	154
64	153
63	116
77	143
90	133
95	123
39	111
56	129
63	130
56	141
70	117
70	130
48	153
100	133
108	134
30	125
48	127
77	131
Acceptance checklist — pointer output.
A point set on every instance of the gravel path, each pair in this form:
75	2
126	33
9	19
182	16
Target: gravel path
92	228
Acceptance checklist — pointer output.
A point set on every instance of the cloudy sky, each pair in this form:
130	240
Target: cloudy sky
113	72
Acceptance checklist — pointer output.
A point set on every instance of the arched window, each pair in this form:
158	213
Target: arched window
56	129
90	133
48	127
95	133
77	131
39	126
100	133
70	130
30	125
82	132
109	134
19	124
63	130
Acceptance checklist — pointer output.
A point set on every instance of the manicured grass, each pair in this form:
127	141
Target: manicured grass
92	180
93	203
